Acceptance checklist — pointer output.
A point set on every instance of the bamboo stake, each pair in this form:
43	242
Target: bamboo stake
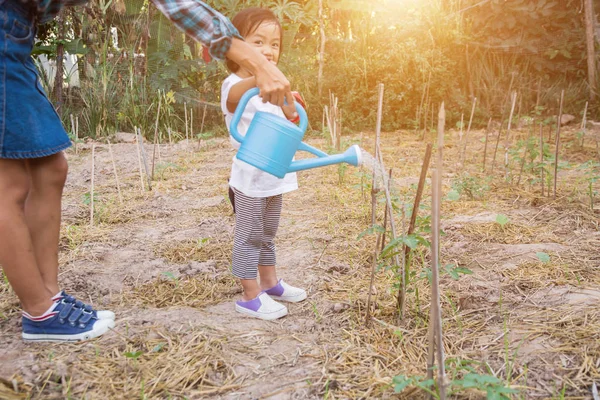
191	123
462	122
156	134
507	141
497	144
562	97
373	268
137	146
487	134
388	197
92	185
464	150
374	191
203	118
144	159
525	153
112	158
73	131
187	137
542	156
436	312
584	124
413	219
76	132
385	213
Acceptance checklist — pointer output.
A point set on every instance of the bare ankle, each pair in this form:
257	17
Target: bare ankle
37	309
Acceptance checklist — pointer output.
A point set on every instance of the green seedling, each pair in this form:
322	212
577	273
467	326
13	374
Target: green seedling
543	257
502	220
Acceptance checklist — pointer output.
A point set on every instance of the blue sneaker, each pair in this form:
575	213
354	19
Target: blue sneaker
102	314
65	323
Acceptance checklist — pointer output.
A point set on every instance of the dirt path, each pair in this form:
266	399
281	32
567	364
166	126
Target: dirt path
160	260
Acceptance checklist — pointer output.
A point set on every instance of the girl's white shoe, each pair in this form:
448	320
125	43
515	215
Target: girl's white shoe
284	292
262	306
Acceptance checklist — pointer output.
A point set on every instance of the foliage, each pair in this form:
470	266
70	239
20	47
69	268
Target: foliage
464	377
423	51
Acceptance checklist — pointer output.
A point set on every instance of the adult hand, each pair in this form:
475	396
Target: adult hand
273	85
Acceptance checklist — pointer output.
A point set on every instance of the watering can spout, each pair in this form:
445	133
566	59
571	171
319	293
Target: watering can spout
352	156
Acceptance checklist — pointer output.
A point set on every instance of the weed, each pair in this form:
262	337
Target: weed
474	188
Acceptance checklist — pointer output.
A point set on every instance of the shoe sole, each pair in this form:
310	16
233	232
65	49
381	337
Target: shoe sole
105	314
267	317
291	299
99	329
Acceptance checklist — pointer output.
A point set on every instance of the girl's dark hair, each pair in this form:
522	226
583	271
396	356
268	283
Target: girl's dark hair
247	21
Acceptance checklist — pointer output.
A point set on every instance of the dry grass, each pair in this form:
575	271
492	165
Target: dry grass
198	291
515	318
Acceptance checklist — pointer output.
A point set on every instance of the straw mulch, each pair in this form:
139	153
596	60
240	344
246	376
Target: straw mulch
532	323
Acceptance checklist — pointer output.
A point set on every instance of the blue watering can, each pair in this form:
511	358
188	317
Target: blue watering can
272	141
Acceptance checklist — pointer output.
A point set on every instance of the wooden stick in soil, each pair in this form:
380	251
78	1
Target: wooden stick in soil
187	136
203	119
466	138
487	134
137	146
112	159
542	156
76	132
155	134
144	158
374	191
385	213
584	124
413	220
73	132
92	185
497	144
507	141
525	152
436	311
562	97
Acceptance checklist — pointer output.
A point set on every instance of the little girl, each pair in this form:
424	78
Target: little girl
257	195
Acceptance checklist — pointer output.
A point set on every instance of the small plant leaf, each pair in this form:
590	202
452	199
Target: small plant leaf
543	257
502	219
158	347
453	195
133	355
170	275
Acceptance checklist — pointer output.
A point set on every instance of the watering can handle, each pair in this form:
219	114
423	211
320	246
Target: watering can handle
305	147
233	127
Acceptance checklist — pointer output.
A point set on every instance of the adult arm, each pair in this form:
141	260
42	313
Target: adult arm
222	39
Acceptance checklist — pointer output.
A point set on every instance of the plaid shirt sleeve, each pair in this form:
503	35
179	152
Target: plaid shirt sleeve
48	9
202	23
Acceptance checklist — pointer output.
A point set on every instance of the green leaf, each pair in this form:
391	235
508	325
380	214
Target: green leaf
134	355
502	219
158	347
543	257
453	195
370	231
170	275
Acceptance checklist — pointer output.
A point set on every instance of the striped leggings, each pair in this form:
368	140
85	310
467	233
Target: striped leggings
256	223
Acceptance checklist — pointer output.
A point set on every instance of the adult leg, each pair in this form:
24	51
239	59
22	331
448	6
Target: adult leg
43	211
17	255
267	260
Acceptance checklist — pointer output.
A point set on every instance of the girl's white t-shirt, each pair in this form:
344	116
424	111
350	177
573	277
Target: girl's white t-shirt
244	177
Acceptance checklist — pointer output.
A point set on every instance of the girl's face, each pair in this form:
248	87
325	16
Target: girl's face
266	38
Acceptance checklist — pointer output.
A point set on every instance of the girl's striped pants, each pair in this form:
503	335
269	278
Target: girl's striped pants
256	223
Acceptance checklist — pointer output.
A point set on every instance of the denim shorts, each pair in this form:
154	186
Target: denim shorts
29	124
